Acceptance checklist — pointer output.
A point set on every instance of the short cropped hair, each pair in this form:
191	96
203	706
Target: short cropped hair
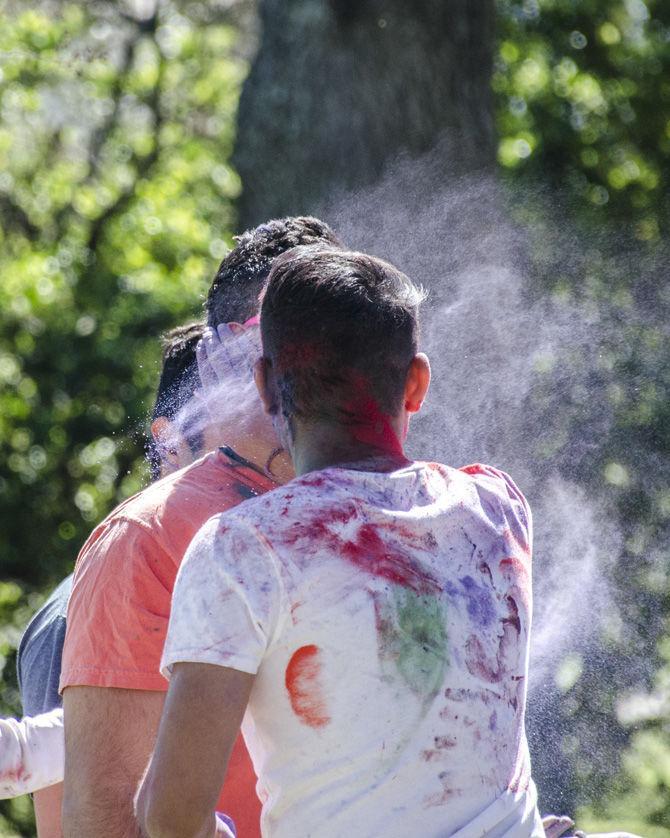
234	293
341	329
179	379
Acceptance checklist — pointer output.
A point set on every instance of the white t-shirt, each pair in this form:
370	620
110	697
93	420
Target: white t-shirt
387	617
32	753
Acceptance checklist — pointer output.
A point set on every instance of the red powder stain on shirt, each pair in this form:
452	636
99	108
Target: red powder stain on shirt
516	544
475	468
305	691
317	530
515	572
440	798
372	555
513	563
479	664
315	480
521	775
10	778
512	614
442	744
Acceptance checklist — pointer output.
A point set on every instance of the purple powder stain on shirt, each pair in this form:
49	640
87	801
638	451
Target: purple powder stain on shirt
479	602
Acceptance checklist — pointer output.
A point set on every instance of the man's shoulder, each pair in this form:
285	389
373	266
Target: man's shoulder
490	476
194	482
272	511
195	492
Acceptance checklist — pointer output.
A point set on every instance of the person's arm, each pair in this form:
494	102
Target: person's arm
109	737
113	693
48	804
203	712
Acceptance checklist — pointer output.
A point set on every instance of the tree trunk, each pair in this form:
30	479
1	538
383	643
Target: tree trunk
339	88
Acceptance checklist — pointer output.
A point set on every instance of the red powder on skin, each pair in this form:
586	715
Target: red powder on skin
304	690
372	427
369	424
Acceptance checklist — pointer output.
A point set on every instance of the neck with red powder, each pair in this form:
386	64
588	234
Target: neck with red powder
363	434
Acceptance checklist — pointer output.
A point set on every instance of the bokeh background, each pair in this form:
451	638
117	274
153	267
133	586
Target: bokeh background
137	137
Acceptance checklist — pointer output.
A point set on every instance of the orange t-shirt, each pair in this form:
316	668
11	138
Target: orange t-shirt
120	604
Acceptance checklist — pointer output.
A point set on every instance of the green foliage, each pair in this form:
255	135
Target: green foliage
583	103
640	798
584	91
116	203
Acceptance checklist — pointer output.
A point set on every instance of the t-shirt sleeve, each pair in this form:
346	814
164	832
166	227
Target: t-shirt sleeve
516	510
38	661
228	600
519	517
119	610
32	753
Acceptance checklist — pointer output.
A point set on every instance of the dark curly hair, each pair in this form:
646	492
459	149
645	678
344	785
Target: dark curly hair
234	293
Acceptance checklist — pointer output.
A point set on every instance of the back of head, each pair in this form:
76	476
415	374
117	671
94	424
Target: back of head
233	295
340	329
178	381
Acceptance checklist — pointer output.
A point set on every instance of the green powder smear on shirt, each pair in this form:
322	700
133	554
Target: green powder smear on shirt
413	637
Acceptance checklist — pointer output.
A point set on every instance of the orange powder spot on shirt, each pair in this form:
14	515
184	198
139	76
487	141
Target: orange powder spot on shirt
304	690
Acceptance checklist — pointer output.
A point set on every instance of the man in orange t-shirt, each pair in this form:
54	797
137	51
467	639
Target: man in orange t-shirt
118	614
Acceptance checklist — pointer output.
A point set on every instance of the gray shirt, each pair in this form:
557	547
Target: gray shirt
38	661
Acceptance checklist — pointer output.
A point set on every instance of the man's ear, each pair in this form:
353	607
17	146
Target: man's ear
164	437
265	384
417	382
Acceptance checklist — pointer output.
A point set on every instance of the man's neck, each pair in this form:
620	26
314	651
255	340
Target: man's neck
324	446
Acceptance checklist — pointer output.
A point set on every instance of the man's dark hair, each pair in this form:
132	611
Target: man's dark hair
341	329
234	293
179	378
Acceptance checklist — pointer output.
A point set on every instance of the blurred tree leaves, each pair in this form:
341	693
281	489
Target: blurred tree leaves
116	204
117	201
584	93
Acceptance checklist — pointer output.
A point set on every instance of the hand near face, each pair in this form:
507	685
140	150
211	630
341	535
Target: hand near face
228	354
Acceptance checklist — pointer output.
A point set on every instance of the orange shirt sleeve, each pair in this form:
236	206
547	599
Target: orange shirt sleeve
119	610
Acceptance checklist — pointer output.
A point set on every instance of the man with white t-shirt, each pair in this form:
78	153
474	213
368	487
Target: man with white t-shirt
369	620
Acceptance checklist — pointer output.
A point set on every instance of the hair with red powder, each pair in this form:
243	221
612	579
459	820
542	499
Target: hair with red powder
341	329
